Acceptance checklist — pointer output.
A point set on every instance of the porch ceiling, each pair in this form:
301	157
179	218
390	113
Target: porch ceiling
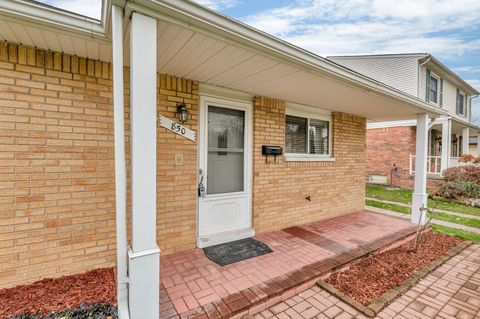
189	50
199	44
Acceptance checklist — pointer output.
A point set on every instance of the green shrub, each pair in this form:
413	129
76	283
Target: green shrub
460	182
85	311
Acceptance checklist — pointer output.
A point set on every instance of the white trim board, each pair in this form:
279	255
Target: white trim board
374	125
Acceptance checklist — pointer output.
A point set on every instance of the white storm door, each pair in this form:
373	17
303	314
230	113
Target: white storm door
224	208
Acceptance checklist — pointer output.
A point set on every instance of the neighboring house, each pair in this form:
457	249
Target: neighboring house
88	105
391	144
473	146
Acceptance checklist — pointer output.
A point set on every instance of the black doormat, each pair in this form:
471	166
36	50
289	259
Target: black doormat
232	252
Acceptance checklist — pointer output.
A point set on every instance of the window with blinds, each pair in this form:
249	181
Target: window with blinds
307	135
460	103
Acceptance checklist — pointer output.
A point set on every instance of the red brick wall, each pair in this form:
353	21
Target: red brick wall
387	146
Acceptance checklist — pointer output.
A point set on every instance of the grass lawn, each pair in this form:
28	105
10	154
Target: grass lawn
405	196
472	222
457	232
387	206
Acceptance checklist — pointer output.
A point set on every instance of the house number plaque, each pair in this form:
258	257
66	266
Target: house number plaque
176	128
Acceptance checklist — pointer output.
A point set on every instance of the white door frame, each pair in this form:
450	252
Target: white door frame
233	103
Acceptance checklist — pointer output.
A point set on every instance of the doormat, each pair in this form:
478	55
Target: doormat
235	251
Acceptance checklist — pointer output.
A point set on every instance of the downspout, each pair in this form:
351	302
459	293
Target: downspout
418	76
120	165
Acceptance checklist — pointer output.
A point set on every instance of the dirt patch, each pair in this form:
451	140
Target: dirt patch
47	295
370	278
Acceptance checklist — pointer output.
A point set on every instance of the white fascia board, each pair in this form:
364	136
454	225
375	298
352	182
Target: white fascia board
376	56
55	19
466	124
213	24
374	125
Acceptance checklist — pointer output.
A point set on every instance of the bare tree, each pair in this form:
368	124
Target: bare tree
421	228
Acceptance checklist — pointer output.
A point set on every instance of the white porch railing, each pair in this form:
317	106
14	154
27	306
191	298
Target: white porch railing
454	162
434	165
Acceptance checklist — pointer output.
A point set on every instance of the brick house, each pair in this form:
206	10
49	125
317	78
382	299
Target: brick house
154	120
391	144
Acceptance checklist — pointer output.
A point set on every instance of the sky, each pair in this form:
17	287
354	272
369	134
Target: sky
449	30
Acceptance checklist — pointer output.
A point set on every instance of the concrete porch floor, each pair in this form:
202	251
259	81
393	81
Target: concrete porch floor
192	286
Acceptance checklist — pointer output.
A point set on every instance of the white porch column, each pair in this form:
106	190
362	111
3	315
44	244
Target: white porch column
120	167
446	140
478	144
144	270
465	140
419	197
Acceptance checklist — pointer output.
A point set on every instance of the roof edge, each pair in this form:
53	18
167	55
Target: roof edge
201	19
452	74
386	55
52	17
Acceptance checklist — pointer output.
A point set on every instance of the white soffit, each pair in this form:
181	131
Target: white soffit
270	68
37	25
191	54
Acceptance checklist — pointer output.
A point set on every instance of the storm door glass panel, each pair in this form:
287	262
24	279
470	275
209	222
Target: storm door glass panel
226	140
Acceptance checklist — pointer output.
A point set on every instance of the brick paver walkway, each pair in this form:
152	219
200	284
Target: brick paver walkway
192	283
452	291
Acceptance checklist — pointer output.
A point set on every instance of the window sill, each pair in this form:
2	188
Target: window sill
308	158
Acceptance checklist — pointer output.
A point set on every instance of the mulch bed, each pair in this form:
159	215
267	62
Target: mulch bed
59	294
373	276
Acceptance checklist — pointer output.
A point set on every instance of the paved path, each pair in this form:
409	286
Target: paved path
436	209
452	291
434	221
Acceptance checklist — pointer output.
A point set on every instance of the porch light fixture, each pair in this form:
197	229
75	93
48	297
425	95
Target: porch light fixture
182	113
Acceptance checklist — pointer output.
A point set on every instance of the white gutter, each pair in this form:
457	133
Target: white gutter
418	75
120	165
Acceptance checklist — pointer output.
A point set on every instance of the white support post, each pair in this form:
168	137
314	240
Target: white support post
456	150
446	140
144	255
465	140
419	197
478	144
120	167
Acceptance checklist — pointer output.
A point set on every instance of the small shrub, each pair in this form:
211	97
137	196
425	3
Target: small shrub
460	182
85	311
472	189
470	173
468	158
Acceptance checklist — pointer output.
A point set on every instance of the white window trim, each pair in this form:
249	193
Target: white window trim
433	75
464	98
309	112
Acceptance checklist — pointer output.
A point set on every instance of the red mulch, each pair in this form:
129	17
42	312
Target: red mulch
370	278
59	294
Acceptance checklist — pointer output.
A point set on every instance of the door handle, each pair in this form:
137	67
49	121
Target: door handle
201	187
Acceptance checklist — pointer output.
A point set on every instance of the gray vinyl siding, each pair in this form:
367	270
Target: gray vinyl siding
399	72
